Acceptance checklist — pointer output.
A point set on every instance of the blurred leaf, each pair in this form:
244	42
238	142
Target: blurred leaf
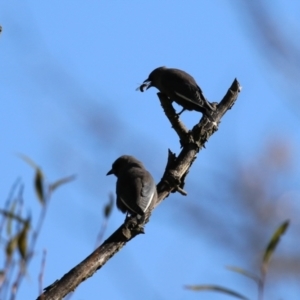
39	186
38	179
11	246
10	218
2	276
59	182
273	242
216	288
109	206
28	161
244	272
8	214
22	240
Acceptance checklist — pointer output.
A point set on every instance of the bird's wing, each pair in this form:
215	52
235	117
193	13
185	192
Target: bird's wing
128	192
148	192
182	84
185	90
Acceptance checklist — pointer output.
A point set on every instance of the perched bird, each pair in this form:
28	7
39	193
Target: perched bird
180	87
135	189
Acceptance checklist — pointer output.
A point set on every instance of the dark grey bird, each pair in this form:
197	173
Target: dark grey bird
180	87
135	188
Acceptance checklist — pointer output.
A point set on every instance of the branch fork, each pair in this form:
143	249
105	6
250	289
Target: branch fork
173	180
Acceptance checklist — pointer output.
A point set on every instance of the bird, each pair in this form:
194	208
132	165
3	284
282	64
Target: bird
135	188
180	87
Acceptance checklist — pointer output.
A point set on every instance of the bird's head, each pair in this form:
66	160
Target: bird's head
152	80
122	163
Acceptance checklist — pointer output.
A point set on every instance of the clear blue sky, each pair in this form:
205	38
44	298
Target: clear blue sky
65	63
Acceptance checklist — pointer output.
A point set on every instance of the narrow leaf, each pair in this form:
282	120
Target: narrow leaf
274	241
244	272
39	186
59	182
109	206
216	288
28	161
11	246
38	179
22	240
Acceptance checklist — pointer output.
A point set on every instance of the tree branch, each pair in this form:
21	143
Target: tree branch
173	180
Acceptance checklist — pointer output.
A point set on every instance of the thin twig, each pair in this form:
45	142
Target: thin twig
42	272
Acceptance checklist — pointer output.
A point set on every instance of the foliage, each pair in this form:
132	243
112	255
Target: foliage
260	280
18	234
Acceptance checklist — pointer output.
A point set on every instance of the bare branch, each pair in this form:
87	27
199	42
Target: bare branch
172	181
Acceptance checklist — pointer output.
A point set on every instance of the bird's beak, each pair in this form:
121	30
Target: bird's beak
147	83
110	172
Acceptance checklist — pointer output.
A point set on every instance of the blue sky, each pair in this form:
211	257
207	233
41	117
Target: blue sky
68	76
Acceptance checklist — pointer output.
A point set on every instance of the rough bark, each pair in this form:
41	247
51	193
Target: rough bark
173	180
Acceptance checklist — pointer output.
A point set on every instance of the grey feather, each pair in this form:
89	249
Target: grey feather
180	87
135	188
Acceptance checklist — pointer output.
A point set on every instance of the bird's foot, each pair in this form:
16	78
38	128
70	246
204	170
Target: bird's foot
133	223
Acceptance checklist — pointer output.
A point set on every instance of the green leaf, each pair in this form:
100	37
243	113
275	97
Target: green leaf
273	243
22	240
109	206
11	246
38	178
244	272
59	182
215	288
39	186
